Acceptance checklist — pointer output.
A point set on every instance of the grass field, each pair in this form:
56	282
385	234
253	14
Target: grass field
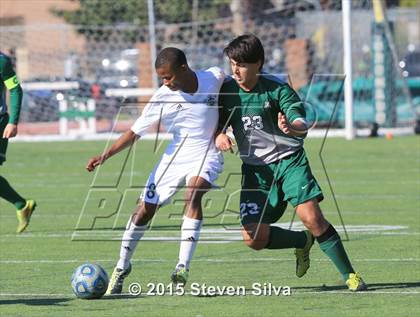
377	186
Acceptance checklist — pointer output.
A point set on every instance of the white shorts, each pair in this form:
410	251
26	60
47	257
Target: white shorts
171	173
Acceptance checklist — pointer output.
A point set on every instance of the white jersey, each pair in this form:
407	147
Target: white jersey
192	120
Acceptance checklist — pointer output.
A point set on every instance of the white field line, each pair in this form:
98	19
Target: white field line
228	230
209	235
203	239
248	293
35	295
41	261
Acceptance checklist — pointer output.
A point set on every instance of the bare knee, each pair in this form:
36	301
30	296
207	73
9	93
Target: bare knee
144	213
197	187
256	236
312	217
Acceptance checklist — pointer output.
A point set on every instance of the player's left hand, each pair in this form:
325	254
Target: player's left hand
297	128
10	131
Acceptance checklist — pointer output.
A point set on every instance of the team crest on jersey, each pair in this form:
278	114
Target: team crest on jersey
267	105
211	101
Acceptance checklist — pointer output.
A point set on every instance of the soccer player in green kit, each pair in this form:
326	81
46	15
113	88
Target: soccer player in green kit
8	129
268	122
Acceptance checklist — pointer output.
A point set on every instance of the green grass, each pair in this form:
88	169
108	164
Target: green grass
376	182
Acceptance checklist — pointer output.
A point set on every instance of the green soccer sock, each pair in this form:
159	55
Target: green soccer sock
285	239
7	192
330	243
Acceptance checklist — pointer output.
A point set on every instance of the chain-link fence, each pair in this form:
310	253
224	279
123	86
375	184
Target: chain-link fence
105	58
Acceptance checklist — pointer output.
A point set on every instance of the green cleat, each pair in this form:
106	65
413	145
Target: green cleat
180	275
24	215
355	283
302	255
117	279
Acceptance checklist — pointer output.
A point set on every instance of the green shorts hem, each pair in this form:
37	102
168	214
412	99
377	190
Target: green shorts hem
319	196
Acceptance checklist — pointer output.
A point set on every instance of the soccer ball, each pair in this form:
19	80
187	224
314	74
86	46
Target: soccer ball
89	281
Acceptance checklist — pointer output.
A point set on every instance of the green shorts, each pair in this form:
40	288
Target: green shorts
266	189
4	120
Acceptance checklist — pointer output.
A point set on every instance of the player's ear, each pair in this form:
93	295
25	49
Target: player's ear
183	67
259	63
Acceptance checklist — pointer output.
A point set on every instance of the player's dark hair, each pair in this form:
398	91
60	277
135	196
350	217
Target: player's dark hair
245	49
171	56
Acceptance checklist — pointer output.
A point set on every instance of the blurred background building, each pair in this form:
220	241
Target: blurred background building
105	50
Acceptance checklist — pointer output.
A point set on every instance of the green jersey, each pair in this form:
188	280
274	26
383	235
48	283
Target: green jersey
9	81
253	117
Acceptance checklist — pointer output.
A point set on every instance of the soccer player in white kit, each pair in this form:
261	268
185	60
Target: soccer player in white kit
186	106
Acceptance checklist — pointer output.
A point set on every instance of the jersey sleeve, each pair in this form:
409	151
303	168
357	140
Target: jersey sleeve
218	73
223	122
291	105
8	76
151	115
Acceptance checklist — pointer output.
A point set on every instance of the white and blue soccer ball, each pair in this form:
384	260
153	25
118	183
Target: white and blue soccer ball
89	281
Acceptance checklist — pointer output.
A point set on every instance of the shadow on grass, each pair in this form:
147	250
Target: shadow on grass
122	296
371	286
58	301
36	301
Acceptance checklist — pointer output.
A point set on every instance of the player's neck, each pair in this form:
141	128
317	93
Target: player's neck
191	81
249	84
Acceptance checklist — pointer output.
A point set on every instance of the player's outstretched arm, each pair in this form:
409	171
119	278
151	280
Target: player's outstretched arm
125	140
296	128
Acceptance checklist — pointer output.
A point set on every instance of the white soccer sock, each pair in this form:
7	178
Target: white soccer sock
129	242
190	232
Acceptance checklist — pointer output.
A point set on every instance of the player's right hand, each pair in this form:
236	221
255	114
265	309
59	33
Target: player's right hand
95	161
10	131
224	143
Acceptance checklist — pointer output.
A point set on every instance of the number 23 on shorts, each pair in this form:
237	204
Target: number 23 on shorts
248	208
